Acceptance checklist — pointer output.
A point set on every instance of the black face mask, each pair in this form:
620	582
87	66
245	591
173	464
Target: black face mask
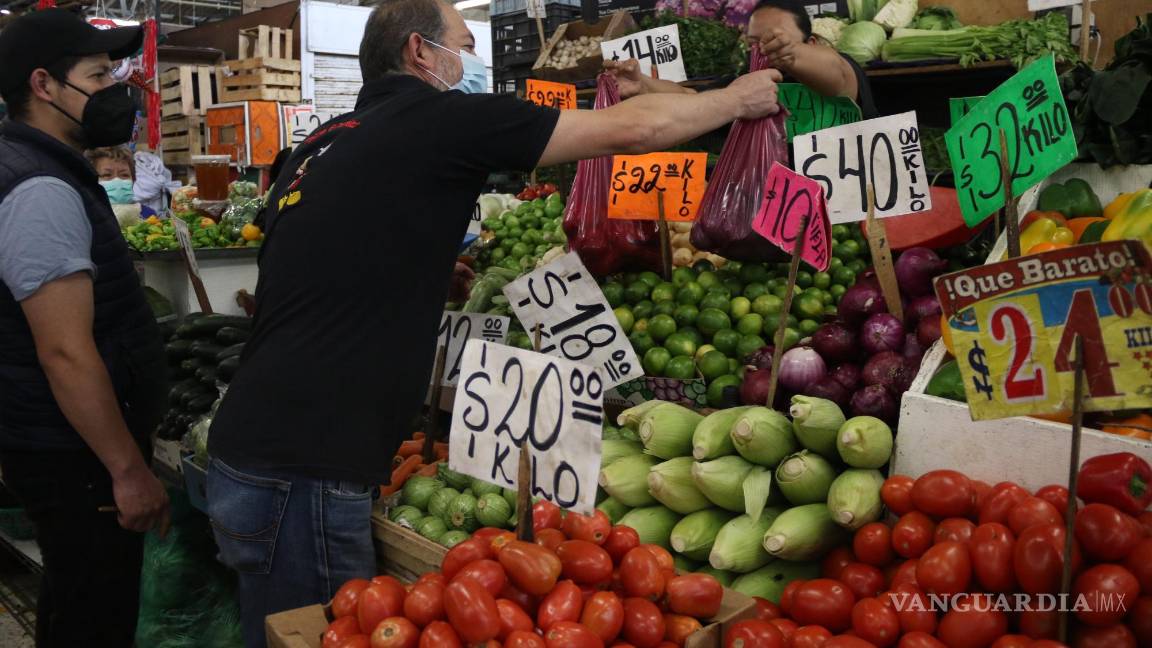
108	118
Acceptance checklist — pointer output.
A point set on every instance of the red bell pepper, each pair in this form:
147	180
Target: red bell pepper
1123	480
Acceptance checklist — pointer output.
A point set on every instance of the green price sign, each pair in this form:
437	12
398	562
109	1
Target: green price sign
960	106
810	111
1030	109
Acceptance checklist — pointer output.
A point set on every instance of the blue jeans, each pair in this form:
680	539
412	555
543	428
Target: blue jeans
293	540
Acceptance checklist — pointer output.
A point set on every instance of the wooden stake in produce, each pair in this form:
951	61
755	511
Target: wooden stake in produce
540	30
1073	474
665	237
882	259
1085	27
778	340
432	434
189	253
524	529
1011	217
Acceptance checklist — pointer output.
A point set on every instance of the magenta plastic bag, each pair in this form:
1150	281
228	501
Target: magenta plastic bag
724	222
606	246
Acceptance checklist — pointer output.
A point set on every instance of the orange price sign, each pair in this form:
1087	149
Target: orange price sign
638	179
561	96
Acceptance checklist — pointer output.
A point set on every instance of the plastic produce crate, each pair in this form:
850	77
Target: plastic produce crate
510	80
16	525
515	40
504	7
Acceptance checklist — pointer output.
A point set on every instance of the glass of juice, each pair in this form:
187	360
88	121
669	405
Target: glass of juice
211	176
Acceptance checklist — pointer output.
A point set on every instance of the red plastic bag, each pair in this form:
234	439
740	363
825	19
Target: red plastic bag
724	222
606	246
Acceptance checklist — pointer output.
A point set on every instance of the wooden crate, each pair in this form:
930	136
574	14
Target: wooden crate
265	42
251	132
403	553
181	138
609	27
188	90
261	79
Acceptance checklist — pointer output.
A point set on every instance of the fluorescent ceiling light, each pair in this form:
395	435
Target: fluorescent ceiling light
471	4
5	12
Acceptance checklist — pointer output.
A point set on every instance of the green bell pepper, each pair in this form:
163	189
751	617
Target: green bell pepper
1074	198
947	383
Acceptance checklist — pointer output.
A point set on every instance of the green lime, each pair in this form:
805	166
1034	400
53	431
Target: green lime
716	301
636	292
704	348
681	368
515	233
840	232
808	306
685	315
803	279
754	272
641	325
664	292
822	280
750	324
749	344
703	265
625	317
519	250
830	311
726	341
679	344
712	320
837	291
709	280
713	365
733	267
693	334
734	286
780	291
766	305
628	277
843	276
826	297
847	250
791	338
754	290
661	326
720	290
808	327
681	276
511	220
724	391
532	237
690	293
835	262
857	266
641	342
739	307
650	278
655	361
642	309
498	255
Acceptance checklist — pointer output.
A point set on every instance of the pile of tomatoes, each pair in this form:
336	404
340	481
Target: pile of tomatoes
583	583
959	536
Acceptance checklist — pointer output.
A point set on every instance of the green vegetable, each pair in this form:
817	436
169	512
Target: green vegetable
805	477
895	14
626	480
815	422
510	497
763	436
405	516
480	487
863	9
725	577
1074	198
652	523
854	498
696	533
738	546
684	565
456	480
947	383
829	28
712	437
671	483
438	503
666	430
432	528
758	492
461	513
722	481
613	509
803	533
937	18
865	442
769	581
1021	41
631	416
452	538
710	48
492	510
611	450
418	490
862	41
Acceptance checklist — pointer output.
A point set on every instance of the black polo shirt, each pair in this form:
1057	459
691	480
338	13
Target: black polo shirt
363	229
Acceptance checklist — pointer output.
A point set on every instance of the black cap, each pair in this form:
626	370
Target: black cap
41	38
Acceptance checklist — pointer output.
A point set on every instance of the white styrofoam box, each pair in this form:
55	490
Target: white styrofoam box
937	433
222	276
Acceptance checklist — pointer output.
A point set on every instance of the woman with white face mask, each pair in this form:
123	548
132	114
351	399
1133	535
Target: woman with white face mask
116	169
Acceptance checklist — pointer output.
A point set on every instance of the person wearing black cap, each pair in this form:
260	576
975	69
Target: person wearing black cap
81	356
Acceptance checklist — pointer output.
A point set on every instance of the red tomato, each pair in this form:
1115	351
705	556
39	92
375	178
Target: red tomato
847	641
468	551
825	602
395	632
767	610
896	494
969	627
590	528
439	634
1139	562
1032	511
787	627
1140	620
955	530
991	550
810	636
755	634
546	515
563	603
863	580
919	640
695	595
1055	495
550	538
569	634
643	623
944	569
678	627
497	542
379	602
1012	641
1113	636
340	630
621	540
526	601
1038	558
836	560
913	534
904	574
512	618
1145	520
1046	643
663	558
1038	623
531	568
488	533
1000	501
357	641
346	599
1106	533
521	639
584	562
604	615
1108	590
387	580
640	574
872	544
943	494
912	608
432	577
788	594
472	611
980	491
874	621
488	573
425	604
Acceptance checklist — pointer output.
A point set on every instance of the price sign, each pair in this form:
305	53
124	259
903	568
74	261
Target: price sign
1030	109
510	396
1014	324
960	106
304	123
474	220
561	96
575	319
457	328
810	111
788	198
884	153
184	238
659	47
638	179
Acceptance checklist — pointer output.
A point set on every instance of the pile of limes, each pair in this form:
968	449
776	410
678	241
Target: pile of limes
518	238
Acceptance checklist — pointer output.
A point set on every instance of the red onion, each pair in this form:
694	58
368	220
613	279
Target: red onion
928	331
920	308
835	342
915	270
874	400
882	332
831	389
860	301
754	389
890	370
800	367
913	351
761	358
847	375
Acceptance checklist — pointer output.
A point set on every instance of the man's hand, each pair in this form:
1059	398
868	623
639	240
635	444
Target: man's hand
141	500
629	79
780	48
756	92
461	287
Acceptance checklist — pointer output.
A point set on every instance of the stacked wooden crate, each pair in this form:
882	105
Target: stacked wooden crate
186	92
265	69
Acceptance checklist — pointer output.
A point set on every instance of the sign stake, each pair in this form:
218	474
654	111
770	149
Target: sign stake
184	237
1011	217
432	433
665	238
778	340
524	529
1073	474
882	259
1085	27
540	30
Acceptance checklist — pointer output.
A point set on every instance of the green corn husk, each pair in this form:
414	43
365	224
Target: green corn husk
629	434
739	547
683	565
713	436
652	523
626	479
666	430
613	509
725	577
769	581
609	433
805	478
864	442
854	499
758	492
696	533
722	481
764	436
815	421
671	484
610	451
630	418
803	533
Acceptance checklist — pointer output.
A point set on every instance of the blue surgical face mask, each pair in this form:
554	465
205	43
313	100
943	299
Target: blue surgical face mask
119	191
473	79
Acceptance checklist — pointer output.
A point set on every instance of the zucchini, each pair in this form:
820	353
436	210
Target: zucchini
230	335
178	349
199	391
183	422
186	331
209	325
206	350
233	350
207	376
201	404
189	366
177	393
226	370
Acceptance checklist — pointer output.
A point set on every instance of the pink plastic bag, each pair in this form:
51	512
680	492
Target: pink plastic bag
724	221
606	246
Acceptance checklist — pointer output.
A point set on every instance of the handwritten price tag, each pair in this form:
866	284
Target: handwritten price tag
789	197
508	396
637	179
561	96
1030	109
659	48
883	152
1014	325
457	328
303	123
960	106
810	111
577	322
